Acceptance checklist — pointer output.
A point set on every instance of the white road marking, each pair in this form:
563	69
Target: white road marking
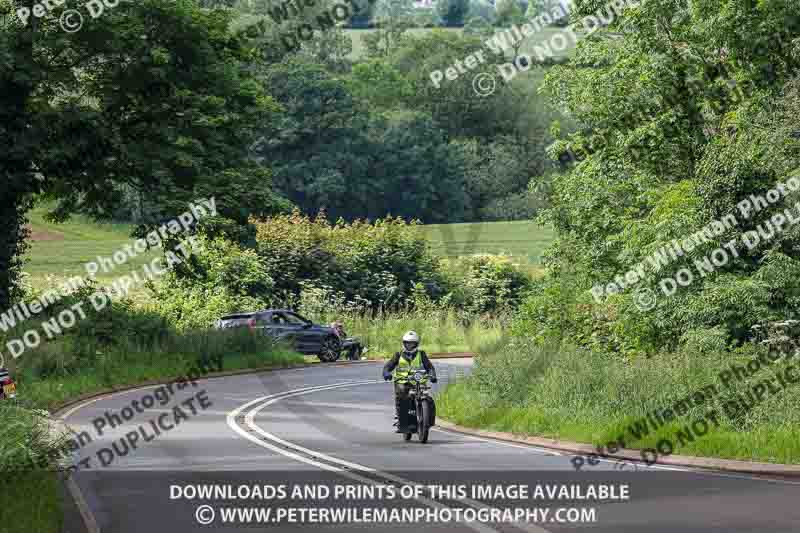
83	507
231	419
92	524
250	421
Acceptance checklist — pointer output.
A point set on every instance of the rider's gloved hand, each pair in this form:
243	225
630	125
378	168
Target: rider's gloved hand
387	376
434	380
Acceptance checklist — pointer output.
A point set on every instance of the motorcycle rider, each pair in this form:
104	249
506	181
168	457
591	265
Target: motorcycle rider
402	364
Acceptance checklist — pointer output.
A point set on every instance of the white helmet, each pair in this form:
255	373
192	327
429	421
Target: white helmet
410	341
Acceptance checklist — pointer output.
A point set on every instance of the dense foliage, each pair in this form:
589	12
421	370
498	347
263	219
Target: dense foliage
297	261
151	97
157	103
685	111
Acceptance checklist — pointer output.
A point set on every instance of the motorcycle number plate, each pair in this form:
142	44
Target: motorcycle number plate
9	390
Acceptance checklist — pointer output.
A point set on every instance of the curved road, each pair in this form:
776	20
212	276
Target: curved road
329	428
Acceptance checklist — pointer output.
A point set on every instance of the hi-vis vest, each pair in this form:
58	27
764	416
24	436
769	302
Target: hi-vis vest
405	367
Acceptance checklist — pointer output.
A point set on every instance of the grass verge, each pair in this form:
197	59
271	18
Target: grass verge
31	499
58	371
31	502
569	394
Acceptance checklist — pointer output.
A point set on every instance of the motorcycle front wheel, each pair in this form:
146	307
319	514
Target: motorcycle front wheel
423	420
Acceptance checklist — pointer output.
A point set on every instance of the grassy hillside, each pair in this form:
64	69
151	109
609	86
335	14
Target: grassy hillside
59	251
358	36
523	240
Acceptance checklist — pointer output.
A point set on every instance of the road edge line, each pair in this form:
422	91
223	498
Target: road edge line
83	508
627	454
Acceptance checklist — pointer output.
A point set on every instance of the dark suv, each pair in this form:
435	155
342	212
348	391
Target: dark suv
284	324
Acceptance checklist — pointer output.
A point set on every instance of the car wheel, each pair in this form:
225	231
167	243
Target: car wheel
330	350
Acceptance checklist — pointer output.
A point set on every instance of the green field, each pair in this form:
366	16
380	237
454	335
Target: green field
59	251
523	240
528	47
357	36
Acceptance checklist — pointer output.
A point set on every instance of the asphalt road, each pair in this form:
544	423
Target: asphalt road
329	428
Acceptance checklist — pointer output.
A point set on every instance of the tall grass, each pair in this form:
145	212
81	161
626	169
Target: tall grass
58	371
31	502
441	330
567	393
29	491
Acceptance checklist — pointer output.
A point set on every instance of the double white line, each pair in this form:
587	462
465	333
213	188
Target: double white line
334	464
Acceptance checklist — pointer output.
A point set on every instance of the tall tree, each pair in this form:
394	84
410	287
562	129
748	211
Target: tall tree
363	164
151	95
393	19
672	121
509	13
453	12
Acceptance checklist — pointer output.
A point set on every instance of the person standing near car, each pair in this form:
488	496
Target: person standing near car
350	345
401	365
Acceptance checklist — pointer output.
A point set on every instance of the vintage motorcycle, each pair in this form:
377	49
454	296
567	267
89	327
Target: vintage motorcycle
8	389
421	407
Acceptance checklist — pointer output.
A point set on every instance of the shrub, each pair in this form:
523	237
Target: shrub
516	206
222	278
372	262
488	284
27	443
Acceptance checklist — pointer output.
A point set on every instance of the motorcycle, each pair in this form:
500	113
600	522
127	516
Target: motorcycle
421	407
8	389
